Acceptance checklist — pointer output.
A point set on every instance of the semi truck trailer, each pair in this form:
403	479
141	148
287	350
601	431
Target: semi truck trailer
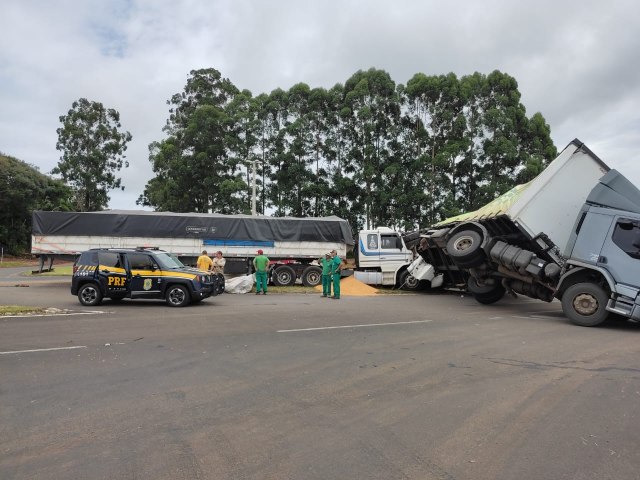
292	244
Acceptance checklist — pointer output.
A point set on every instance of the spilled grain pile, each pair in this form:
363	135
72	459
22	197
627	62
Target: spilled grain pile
349	286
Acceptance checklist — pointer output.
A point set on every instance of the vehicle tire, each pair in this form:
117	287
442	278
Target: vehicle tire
485	294
585	304
465	249
284	276
408	282
312	276
221	284
90	295
177	296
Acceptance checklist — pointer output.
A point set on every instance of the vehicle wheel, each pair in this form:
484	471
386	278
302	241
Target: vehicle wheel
177	296
312	276
465	250
485	294
90	295
284	276
585	304
408	281
221	283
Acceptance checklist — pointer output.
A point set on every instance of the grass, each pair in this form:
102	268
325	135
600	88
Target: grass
17	263
18	309
60	270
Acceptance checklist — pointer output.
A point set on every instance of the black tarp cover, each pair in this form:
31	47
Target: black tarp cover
124	223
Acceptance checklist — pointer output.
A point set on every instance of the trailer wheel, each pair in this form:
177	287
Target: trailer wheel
177	296
284	276
90	295
465	250
585	304
408	281
485	294
311	276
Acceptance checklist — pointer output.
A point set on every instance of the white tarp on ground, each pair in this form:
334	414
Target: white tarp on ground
242	284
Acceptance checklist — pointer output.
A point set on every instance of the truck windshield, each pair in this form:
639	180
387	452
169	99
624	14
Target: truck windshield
169	261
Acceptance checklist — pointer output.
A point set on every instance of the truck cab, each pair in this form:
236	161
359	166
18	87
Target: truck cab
382	259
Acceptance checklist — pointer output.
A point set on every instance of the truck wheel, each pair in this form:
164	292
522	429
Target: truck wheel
311	276
585	304
465	250
90	295
177	296
485	294
408	281
284	276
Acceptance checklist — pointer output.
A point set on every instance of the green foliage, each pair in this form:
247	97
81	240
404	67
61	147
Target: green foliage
92	147
371	151
24	189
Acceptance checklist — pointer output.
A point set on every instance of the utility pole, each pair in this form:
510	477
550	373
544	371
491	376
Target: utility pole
253	190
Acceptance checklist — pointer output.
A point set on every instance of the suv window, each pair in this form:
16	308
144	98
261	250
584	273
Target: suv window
110	259
140	261
88	258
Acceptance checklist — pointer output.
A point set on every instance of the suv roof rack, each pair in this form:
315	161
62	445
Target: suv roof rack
147	248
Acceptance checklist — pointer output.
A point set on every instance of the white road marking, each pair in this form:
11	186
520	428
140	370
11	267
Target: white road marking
43	350
351	326
52	314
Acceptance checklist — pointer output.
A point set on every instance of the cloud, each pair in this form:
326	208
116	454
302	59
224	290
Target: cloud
574	61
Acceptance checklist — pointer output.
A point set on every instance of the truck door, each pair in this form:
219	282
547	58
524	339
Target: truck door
111	273
620	254
145	275
391	248
369	245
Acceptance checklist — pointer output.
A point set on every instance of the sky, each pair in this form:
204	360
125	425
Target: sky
576	62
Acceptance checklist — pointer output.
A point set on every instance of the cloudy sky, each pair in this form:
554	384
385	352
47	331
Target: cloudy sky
576	62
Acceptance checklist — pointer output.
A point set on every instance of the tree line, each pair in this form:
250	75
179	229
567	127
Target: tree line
372	151
369	150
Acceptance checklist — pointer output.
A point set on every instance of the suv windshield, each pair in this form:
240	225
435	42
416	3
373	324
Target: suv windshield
169	261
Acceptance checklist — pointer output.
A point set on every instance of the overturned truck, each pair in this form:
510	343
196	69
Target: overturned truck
572	233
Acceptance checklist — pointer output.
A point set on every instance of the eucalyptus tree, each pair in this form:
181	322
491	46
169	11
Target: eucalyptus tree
193	166
92	146
371	107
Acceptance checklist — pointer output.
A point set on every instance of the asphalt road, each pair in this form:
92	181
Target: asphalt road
301	387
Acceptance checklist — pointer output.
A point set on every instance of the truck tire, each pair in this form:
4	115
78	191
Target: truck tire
90	295
585	304
465	250
284	276
485	294
177	296
312	276
408	281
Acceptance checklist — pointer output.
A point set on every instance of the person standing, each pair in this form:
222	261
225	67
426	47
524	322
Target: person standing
336	263
218	263
204	262
261	265
325	262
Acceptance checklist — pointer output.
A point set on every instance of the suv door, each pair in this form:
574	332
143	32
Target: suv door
112	275
145	275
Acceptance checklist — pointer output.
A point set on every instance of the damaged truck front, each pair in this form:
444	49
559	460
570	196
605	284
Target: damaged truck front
572	233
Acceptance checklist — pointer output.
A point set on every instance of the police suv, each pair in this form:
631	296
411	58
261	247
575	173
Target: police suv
119	273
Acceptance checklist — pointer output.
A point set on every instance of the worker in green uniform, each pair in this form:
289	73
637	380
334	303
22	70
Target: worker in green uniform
336	263
261	264
325	262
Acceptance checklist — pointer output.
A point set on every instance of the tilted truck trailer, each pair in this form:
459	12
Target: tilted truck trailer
292	244
572	233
